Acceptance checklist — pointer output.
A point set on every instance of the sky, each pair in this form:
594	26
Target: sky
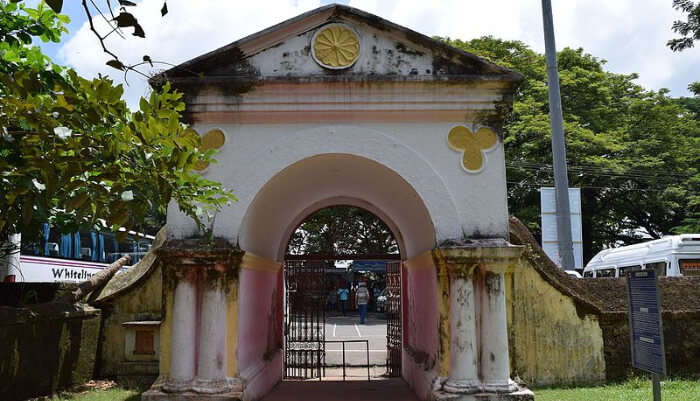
630	34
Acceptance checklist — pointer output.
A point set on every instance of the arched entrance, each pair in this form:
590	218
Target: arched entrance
342	287
401	125
283	203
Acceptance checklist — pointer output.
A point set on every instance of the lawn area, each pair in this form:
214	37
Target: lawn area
103	390
112	394
637	389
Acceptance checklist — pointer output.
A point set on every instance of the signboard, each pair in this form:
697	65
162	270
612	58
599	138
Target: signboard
646	330
550	242
690	267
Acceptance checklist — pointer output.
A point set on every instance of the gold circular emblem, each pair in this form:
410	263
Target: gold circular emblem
336	46
213	139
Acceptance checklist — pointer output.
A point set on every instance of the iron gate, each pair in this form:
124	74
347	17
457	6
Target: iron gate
393	314
305	289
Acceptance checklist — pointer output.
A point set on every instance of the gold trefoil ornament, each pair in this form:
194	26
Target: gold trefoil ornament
473	145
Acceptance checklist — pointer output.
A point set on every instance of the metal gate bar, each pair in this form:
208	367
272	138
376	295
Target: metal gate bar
393	312
353	341
305	319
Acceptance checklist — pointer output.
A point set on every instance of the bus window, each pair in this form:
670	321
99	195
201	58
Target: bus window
111	247
689	267
624	270
588	273
659	267
609	272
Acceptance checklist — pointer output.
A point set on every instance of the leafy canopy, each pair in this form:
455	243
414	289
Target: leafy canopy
73	154
342	230
689	30
635	153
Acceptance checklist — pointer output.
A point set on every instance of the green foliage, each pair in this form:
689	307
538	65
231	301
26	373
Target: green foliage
690	29
72	153
635	153
343	230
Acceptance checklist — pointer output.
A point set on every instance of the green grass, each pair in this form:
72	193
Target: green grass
112	394
637	389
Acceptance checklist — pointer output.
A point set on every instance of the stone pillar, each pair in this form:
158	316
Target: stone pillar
200	277
182	361
464	375
495	362
211	361
479	360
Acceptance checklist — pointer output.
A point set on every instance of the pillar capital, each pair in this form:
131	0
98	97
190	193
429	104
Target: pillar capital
183	259
463	256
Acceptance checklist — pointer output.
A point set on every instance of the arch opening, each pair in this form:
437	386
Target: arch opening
331	179
280	206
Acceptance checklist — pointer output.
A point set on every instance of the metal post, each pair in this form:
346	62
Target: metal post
367	348
561	181
343	360
656	386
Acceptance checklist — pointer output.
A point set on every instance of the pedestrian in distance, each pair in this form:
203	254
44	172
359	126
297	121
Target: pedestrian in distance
361	299
343	295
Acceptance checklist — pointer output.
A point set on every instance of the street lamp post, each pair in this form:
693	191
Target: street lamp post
556	120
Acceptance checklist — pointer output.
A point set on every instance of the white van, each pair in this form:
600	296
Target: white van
673	255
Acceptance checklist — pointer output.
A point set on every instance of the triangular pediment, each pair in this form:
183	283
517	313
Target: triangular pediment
337	41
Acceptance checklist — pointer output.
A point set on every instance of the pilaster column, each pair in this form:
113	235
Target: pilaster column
495	361
464	375
182	361
201	276
479	358
211	361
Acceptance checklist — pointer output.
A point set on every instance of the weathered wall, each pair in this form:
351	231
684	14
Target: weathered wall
680	299
45	348
143	302
557	322
259	337
550	343
135	295
554	333
420	362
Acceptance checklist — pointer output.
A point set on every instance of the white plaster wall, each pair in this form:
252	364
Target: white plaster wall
380	53
458	203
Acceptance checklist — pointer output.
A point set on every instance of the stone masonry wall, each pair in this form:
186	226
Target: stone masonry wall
551	345
45	348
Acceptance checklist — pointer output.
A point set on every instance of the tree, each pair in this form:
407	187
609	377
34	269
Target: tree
117	19
635	153
342	230
689	30
73	154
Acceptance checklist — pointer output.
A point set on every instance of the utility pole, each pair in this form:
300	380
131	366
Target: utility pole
556	120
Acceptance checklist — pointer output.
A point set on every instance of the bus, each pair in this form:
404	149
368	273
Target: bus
672	255
72	257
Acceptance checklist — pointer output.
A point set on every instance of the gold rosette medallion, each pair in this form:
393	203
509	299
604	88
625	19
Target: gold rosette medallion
336	46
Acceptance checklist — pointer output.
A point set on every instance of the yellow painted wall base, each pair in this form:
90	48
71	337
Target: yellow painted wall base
549	342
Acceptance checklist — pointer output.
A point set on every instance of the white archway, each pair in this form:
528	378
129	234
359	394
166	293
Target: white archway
333	179
270	161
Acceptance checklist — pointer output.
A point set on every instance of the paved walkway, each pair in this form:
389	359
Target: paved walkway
376	390
349	328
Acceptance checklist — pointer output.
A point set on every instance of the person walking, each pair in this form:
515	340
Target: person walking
343	295
361	299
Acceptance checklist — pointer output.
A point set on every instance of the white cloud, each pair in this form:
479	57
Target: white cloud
187	31
630	34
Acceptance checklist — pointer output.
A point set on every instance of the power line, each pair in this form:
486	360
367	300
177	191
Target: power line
549	184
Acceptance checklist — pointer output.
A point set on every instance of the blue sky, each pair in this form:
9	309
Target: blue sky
629	34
